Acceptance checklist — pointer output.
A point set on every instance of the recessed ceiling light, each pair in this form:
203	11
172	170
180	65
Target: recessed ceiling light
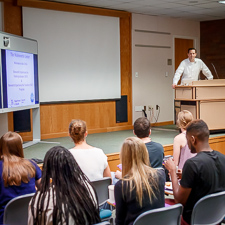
223	2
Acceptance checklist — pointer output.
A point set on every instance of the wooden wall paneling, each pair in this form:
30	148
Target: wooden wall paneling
126	59
218	144
113	160
213	46
100	116
12	18
168	149
13	25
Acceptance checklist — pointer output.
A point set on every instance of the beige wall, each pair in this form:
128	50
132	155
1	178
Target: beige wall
152	87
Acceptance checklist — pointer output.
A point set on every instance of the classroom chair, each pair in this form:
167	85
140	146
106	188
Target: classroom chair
209	210
16	210
170	215
101	188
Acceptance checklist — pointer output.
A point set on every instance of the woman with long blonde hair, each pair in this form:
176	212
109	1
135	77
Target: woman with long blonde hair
18	176
141	187
181	152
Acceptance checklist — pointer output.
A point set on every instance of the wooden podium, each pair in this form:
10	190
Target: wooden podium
205	99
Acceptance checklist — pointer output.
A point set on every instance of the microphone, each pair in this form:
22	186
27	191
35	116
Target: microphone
215	71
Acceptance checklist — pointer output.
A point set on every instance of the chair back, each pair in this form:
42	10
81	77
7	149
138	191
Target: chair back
101	188
103	223
170	215
16	210
209	210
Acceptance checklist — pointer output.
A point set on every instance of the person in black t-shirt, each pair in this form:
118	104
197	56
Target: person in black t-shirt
202	175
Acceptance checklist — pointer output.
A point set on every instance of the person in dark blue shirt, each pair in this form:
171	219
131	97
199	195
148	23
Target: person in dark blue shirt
19	176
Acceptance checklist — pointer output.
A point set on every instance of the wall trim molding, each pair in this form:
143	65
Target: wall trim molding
72	8
216	143
90	131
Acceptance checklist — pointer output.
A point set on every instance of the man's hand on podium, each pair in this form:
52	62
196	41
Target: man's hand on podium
173	86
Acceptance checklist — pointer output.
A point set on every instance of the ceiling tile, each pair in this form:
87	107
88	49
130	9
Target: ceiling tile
199	10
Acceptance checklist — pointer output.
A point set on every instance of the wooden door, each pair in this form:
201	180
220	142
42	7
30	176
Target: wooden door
181	50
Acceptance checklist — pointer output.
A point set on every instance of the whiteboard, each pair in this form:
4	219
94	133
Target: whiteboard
78	54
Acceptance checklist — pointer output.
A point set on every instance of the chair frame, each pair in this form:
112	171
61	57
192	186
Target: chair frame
101	188
218	207
14	205
158	214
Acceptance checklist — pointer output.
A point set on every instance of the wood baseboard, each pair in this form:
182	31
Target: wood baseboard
162	123
216	143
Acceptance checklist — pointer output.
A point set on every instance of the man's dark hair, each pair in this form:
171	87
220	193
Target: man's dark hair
199	129
142	127
192	49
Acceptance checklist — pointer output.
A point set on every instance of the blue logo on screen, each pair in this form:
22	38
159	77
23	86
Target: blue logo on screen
32	97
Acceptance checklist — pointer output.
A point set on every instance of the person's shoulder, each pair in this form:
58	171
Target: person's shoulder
198	60
192	161
156	144
161	172
33	162
221	155
98	150
180	137
185	61
118	184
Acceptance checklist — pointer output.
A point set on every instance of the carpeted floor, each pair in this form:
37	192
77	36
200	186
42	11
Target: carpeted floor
109	142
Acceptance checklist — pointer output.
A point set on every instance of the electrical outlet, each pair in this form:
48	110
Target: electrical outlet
157	107
150	108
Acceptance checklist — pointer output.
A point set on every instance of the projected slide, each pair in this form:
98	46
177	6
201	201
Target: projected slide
20	78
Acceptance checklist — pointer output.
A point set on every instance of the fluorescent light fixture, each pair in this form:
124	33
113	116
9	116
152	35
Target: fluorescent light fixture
223	2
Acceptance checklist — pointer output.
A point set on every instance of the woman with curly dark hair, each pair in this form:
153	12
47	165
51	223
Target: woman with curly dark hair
66	195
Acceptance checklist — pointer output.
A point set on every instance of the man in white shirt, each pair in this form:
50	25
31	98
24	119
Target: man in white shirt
191	68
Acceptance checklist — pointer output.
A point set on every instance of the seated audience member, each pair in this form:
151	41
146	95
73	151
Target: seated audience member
65	195
92	161
181	152
202	174
141	187
142	129
18	175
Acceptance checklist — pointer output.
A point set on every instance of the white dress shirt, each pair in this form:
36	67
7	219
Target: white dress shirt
191	70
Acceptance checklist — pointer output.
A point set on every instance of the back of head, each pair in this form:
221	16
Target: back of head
134	155
16	169
77	129
136	168
142	127
73	193
184	118
198	129
11	145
